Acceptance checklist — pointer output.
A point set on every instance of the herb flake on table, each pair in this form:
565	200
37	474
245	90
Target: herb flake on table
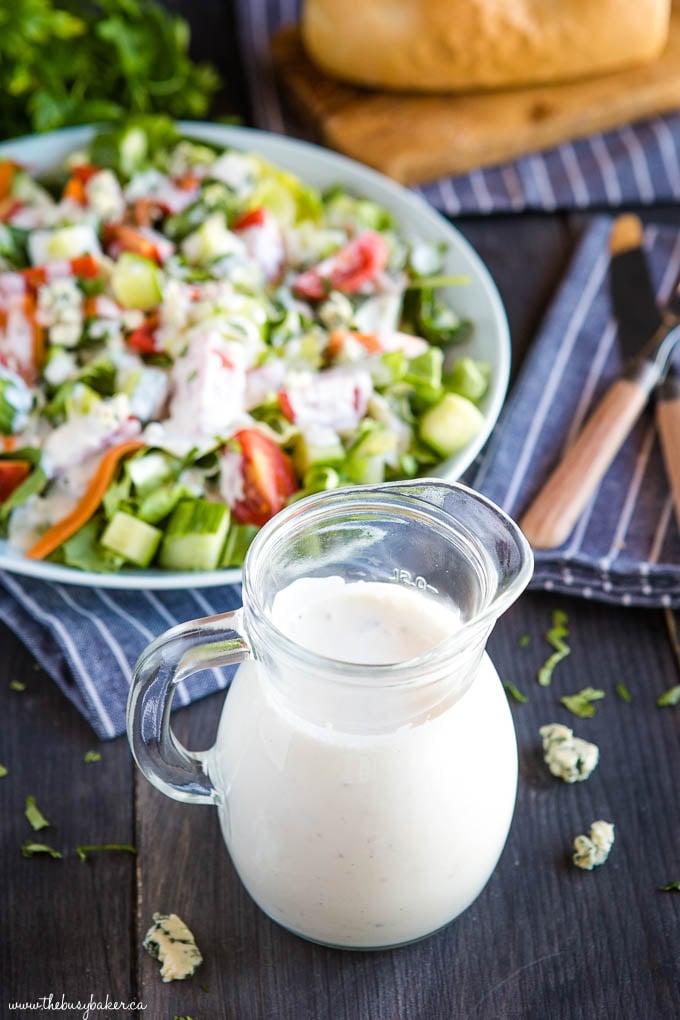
670	697
514	692
31	849
34	815
17	685
92	756
671	887
581	703
624	693
83	851
524	641
555	637
4	771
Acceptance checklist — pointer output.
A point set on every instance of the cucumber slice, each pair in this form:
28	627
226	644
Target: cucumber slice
210	241
424	373
451	424
238	540
195	535
316	447
277	198
367	458
62	243
124	149
136	282
131	538
161	502
148	472
469	378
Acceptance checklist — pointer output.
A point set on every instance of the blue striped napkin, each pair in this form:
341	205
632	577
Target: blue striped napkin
625	549
639	164
626	546
88	639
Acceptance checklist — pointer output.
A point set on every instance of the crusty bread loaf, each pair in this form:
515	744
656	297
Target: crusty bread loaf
462	45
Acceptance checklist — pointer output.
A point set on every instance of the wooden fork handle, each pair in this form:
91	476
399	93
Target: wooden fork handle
551	517
668	424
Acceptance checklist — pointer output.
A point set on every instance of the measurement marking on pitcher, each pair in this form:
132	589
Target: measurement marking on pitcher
407	578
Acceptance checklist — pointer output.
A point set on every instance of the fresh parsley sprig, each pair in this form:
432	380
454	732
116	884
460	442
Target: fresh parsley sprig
63	63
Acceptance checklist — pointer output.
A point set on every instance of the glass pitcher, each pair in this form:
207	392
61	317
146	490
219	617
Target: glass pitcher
365	766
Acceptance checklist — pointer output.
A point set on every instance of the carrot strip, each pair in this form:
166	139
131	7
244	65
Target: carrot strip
8	168
39	344
87	506
369	341
75	190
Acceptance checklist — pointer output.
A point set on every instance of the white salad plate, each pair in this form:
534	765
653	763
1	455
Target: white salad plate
477	300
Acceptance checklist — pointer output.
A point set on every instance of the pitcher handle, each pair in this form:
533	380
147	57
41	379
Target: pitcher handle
175	655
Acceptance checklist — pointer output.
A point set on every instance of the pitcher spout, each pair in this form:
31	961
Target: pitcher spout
486	538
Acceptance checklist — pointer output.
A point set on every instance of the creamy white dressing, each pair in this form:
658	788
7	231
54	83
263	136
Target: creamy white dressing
364	839
30	520
337	398
208	386
231	477
71	445
263	382
264	244
105	196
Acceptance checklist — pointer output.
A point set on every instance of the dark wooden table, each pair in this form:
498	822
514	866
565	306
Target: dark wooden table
543	941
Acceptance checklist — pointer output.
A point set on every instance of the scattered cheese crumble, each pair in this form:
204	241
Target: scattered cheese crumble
170	941
593	849
568	757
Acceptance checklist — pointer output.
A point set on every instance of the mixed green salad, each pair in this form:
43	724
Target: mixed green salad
191	337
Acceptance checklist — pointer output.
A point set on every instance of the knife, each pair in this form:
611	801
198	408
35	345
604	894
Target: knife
637	315
553	513
636	312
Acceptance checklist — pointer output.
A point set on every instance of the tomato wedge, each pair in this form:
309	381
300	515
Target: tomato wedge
82	265
143	339
12	474
268	478
347	270
252	218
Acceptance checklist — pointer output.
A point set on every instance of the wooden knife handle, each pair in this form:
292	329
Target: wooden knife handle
668	424
554	512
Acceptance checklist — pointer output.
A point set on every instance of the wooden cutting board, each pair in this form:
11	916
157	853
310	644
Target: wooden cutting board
415	138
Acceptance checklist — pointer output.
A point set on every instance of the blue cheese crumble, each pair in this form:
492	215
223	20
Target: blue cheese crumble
593	849
170	941
568	757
